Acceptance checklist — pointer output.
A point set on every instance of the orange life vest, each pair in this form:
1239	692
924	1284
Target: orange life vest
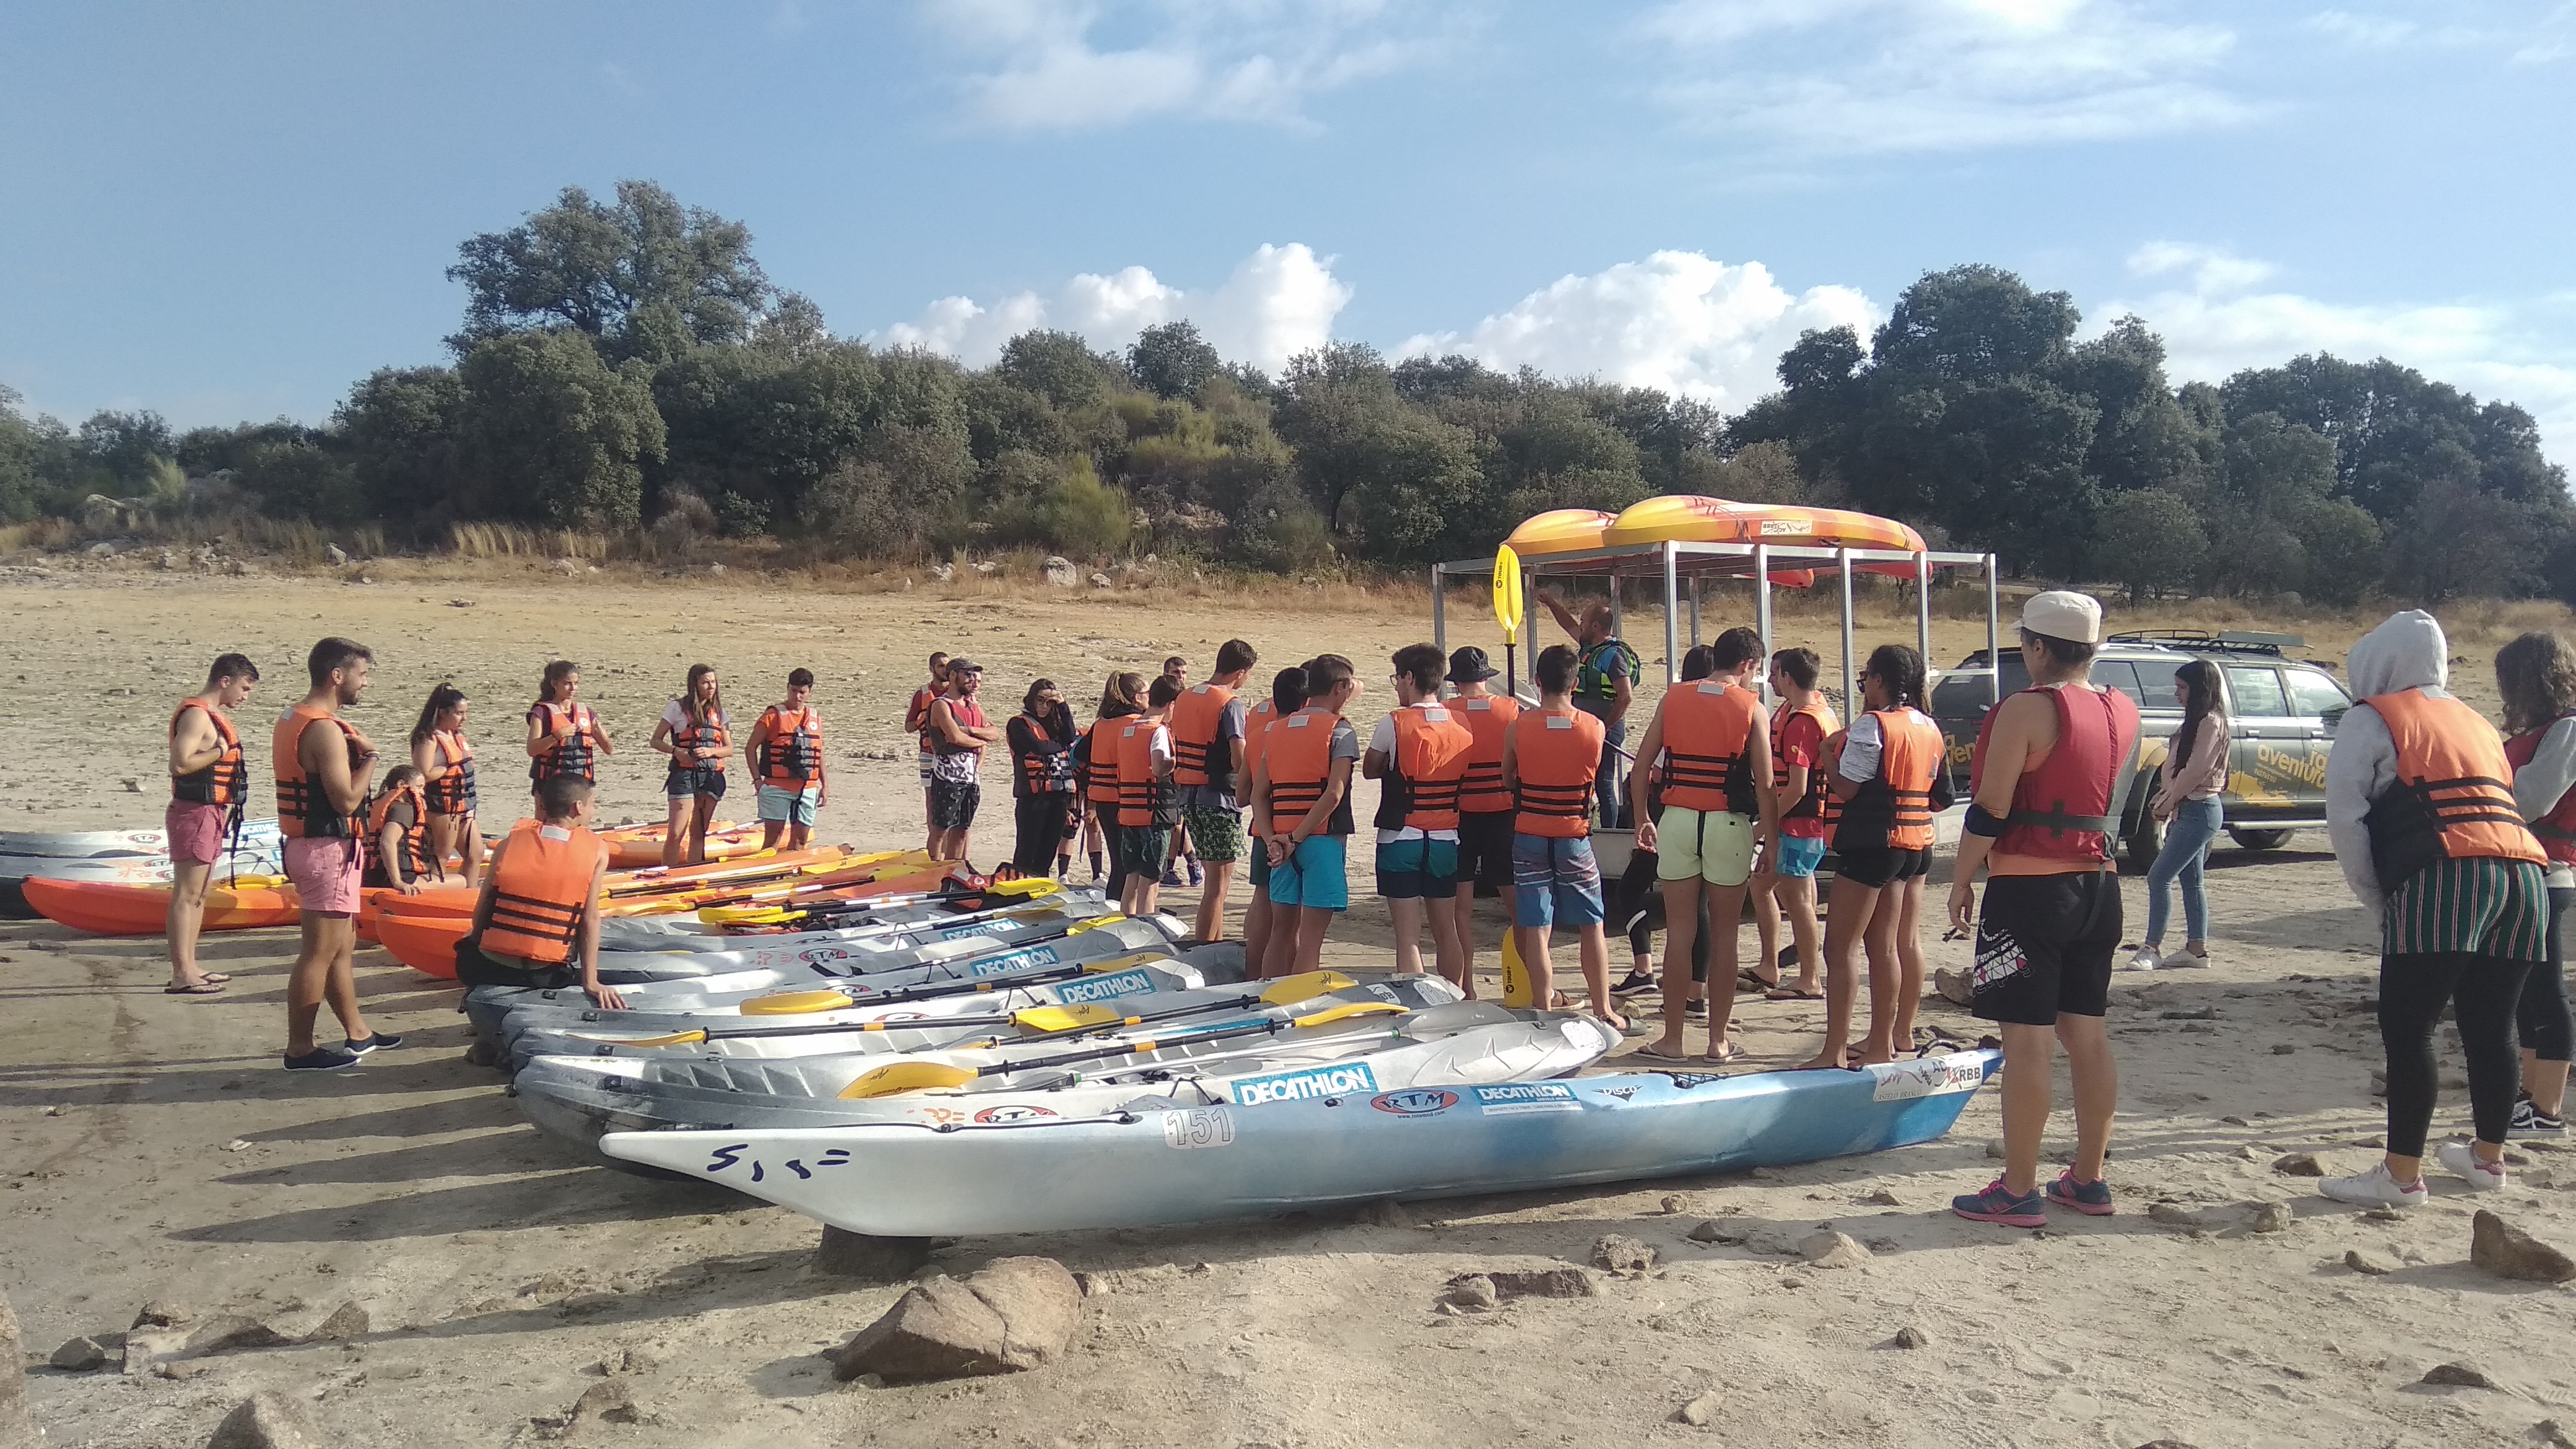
1810	806
303	808
1488	718
1100	759
2454	794
1556	757
1707	725
791	747
1196	759
227	780
571	747
415	836
710	733
1141	797
452	793
540	888
1300	755
1892	810
1420	791
917	716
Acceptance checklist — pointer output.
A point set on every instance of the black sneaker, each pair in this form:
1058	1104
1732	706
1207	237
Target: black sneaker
2529	1122
1696	1010
377	1042
1635	982
322	1059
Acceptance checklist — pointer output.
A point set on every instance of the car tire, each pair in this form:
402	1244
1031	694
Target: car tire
2260	839
2145	837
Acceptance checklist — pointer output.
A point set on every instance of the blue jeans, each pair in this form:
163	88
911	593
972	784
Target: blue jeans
1610	786
2194	825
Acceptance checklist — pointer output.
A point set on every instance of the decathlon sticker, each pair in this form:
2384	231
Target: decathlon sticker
1522	1098
1350	1081
1102	988
1014	1112
1415	1102
1010	961
1198	1127
1930	1077
980	928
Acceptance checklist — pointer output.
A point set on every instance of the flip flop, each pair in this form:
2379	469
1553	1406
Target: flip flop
1677	1059
1791	993
1722	1058
207	987
216	977
1747	981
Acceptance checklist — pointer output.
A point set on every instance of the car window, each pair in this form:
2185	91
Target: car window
2257	692
1963	696
2122	675
2312	693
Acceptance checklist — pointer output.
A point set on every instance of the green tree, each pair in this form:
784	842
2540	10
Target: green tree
641	276
2150	539
400	430
1172	360
123	447
22	490
1060	367
551	433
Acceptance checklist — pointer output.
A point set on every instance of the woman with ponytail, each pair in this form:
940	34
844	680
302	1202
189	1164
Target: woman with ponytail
2187	801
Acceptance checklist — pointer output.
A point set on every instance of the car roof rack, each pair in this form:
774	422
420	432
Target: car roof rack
2226	639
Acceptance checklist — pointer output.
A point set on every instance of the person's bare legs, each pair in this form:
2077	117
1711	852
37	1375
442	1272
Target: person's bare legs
1408	931
1448	942
1596	971
799	835
1725	921
1256	931
1796	896
675	832
774	831
702	815
469	845
2087	1040
1312	922
1762	897
1536	965
341	987
188	913
322	968
1878	943
1909	963
2545	1083
1681	928
1848	911
1210	925
2029	1053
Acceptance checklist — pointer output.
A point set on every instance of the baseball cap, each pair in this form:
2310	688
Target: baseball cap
963	665
1469	665
2064	614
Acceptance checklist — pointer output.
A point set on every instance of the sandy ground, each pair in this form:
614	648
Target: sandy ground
155	1153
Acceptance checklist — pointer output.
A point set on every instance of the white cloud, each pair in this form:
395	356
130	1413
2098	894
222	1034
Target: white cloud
1679	321
2216	318
1857	76
1041	65
1280	301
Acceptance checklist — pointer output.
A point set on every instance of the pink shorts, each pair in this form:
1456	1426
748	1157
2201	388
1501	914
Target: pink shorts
325	873
196	832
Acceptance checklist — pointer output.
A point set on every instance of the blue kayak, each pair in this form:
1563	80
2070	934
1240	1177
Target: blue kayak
1331	1140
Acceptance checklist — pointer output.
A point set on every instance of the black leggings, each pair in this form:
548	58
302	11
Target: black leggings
1641	902
1041	820
1109	833
2483	991
2546	1030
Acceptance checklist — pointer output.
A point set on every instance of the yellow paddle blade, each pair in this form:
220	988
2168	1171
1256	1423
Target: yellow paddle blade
794	1003
247	881
1066	1018
1121	963
677	1038
898	1077
1031	886
1094	924
741	915
1332	1014
1517	990
1289	990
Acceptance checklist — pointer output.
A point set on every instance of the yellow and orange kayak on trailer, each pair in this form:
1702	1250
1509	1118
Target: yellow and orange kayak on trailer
1691	518
115	909
1559	530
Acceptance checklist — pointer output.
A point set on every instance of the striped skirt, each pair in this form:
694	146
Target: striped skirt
2480	907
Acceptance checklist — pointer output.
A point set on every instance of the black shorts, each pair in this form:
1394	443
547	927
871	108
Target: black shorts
2044	947
473	968
1485	851
953	803
1881	865
684	783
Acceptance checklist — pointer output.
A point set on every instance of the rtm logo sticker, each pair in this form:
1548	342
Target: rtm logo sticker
1415	1102
817	955
1010	961
1351	1081
1931	1077
1522	1098
1198	1127
1102	988
1020	1112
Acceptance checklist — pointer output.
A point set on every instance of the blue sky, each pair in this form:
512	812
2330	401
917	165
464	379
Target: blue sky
235	211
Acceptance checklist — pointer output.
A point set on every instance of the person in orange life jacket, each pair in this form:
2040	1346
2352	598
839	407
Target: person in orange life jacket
959	732
564	736
2536	673
1096	762
2042	822
1208	748
1183	846
2426	826
786	760
1714	741
1302	806
696	733
916	721
209	782
536	922
1041	738
397	840
323	766
1419	756
1484	804
1287	696
1550	758
1147	803
1785	882
446	764
1889	775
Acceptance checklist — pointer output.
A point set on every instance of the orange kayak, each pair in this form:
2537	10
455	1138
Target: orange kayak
1691	518
641	845
106	909
426	944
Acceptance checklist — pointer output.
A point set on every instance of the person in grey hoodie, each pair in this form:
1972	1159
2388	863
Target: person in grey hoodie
2421	810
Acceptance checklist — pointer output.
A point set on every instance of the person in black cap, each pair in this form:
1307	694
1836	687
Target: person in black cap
1484	802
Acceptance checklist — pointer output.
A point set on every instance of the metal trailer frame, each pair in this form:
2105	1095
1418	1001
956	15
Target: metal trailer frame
1673	562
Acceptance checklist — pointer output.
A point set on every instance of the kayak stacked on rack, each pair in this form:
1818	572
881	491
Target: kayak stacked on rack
115	858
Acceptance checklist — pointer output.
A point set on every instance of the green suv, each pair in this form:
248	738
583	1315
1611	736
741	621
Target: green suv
2283	714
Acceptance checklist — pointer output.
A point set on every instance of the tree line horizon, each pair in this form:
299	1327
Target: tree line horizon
625	365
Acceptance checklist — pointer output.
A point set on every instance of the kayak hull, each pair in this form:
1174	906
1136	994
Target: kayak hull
1692	518
107	909
1559	530
1166	1161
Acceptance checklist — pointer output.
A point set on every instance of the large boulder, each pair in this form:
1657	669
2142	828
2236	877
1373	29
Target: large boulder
1016	1314
2508	1252
268	1420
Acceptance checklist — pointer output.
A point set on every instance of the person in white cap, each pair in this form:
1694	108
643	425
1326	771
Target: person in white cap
2042	822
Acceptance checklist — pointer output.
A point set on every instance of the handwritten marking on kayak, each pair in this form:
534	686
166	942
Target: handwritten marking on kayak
1931	1077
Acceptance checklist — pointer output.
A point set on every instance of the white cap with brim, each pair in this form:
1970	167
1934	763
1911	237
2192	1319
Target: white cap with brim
2064	614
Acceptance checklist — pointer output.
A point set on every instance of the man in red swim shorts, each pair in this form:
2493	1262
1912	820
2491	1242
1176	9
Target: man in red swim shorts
208	782
324	766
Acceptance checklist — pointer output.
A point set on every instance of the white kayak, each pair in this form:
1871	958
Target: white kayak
87	844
